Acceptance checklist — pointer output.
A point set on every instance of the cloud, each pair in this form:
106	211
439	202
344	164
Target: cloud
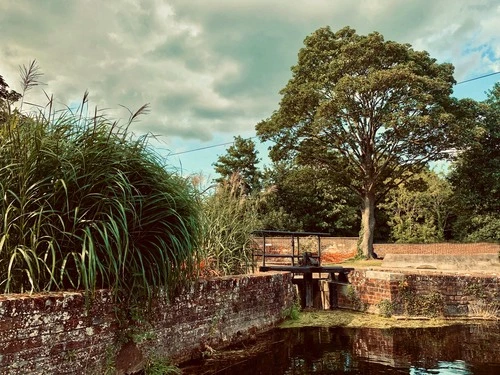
216	67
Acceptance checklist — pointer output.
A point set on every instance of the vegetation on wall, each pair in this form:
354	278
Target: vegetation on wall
411	303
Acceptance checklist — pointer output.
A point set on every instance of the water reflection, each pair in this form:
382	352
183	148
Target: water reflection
457	350
444	368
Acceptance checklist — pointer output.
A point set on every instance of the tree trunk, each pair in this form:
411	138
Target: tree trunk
367	225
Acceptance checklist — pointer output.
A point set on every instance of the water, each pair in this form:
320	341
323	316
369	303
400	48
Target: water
456	350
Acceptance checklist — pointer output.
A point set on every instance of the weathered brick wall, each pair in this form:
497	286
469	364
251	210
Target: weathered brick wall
437	248
55	333
348	245
368	288
447	294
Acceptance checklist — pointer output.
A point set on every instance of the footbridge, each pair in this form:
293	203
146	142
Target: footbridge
304	262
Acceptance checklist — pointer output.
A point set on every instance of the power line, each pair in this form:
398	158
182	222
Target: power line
204	148
229	143
473	79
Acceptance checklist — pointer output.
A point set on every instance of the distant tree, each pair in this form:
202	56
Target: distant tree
419	208
370	111
7	98
476	178
240	159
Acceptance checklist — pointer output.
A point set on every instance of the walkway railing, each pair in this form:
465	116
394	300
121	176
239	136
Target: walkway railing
295	254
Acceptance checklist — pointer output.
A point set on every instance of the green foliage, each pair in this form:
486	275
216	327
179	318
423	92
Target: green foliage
241	159
419	209
353	296
86	206
293	312
368	110
228	220
476	177
157	365
477	227
386	308
305	198
7	99
413	304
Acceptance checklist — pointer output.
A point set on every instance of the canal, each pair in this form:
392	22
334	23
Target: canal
454	350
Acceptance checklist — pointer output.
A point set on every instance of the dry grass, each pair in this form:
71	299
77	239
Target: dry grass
341	318
484	310
336	258
362	263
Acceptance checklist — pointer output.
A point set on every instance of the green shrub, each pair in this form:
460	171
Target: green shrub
386	308
228	219
293	312
84	205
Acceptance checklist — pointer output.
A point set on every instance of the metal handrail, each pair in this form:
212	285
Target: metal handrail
271	233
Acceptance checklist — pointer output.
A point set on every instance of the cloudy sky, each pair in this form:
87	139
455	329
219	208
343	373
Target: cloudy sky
212	69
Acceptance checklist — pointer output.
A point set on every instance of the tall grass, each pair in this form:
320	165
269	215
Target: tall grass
228	219
84	205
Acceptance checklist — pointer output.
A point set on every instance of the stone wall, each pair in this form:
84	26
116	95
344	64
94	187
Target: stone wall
422	293
57	333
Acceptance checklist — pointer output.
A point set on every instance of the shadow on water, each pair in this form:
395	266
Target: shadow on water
457	350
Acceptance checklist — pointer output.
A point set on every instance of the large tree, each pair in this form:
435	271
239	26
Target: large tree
370	110
241	159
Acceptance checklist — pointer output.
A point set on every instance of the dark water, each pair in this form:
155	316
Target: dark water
461	350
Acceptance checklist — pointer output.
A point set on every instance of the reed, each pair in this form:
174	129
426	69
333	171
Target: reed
85	205
228	219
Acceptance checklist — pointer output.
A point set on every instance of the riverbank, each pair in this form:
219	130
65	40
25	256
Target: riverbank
343	318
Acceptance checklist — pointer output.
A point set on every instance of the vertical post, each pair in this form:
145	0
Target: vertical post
298	246
308	286
334	298
264	252
319	250
293	251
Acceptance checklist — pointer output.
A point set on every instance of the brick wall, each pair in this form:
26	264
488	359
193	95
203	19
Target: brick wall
328	244
437	248
348	245
446	294
56	333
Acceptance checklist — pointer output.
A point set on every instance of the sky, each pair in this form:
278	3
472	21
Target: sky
212	69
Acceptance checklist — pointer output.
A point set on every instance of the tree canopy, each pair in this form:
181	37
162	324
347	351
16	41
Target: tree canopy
241	159
302	197
476	177
419	208
7	98
371	111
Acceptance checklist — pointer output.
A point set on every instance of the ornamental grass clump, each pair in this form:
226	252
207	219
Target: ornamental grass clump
84	205
229	217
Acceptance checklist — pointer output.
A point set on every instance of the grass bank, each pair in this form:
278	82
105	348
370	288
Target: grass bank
342	318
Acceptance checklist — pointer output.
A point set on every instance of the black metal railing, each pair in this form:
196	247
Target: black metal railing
306	258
